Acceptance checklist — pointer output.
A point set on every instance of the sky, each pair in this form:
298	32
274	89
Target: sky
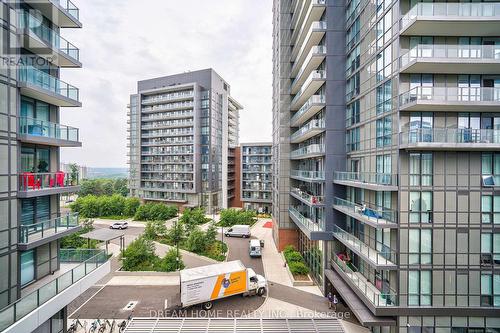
126	41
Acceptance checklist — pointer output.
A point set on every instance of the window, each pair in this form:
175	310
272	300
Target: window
420	246
384	97
419	288
353	113
420	207
420	169
384	62
490	290
27	267
490	169
384	132
490	248
353	139
490	209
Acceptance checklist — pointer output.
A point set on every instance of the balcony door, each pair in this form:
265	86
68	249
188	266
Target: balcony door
27	263
36	160
420	127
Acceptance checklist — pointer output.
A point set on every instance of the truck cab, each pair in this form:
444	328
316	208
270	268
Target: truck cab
257	284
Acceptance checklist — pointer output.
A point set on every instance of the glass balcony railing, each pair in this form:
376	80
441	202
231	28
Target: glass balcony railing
29	181
168	97
383	257
49	36
32	232
315	75
316	124
35	127
450	95
308	175
315	26
315	99
48	82
450	135
451	52
318	49
375	296
89	261
380	216
450	10
384	179
307	222
307	197
308	150
69	7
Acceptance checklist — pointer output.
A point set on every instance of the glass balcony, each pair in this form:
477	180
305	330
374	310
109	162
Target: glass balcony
309	151
426	18
297	217
312	61
371	215
49	37
35	232
307	198
308	175
40	85
435	58
168	97
309	130
384	259
38	184
450	138
86	261
310	108
313	37
371	293
368	180
313	82
37	131
450	99
63	13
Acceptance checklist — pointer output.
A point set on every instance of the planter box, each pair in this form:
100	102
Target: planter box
297	283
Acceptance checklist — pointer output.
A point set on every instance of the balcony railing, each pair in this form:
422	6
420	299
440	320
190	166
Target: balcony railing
32	232
308	175
35	127
168	97
29	181
451	52
315	99
48	82
89	261
316	74
371	293
318	49
450	94
306	197
376	215
384	179
308	150
49	36
312	125
450	135
384	257
308	223
69	7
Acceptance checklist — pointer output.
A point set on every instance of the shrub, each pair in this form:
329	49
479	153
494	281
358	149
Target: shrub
169	262
193	217
139	255
131	205
230	217
298	268
155	211
294	256
197	241
175	234
155	230
288	249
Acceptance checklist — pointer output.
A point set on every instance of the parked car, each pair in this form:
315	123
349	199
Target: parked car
238	230
119	225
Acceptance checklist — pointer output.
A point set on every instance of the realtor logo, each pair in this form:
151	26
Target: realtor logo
225	282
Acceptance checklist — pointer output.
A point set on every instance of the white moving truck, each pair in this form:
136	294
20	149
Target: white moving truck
205	284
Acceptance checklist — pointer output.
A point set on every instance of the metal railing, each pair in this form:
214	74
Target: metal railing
316	74
316	148
313	124
318	25
450	135
49	227
384	257
29	181
70	8
451	52
307	222
90	261
48	35
318	49
168	97
309	198
35	127
48	82
450	94
385	179
305	174
371	293
314	99
376	214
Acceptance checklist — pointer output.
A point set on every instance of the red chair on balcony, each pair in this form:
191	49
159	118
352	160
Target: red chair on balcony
29	181
60	178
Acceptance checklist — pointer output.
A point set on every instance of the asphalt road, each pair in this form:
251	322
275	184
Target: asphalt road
238	249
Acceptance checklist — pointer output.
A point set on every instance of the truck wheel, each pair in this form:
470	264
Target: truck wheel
207	305
261	291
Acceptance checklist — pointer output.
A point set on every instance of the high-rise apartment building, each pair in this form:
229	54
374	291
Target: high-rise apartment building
386	114
38	279
183	131
256	177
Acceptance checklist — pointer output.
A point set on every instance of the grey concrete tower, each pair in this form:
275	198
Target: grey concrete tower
183	129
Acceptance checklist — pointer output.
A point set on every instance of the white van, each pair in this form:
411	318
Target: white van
254	248
238	231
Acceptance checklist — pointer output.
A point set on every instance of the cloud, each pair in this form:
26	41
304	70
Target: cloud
126	41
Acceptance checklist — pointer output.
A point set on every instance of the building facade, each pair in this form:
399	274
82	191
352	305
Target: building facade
402	155
183	131
256	177
37	280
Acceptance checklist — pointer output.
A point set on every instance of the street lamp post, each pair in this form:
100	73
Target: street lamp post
177	243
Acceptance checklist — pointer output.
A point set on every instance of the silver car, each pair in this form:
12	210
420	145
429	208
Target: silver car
119	225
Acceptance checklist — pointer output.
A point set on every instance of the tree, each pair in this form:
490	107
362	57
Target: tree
131	205
139	255
193	217
176	233
155	211
155	230
169	262
230	217
73	173
196	241
74	241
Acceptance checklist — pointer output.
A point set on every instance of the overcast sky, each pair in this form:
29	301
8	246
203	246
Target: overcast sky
125	41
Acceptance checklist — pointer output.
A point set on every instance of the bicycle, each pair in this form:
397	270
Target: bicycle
102	326
94	325
112	325
121	326
73	328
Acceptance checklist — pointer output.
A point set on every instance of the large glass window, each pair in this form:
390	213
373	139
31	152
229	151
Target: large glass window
384	97
490	169
384	131
35	160
27	267
420	169
490	290
420	246
490	247
419	288
490	209
420	207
